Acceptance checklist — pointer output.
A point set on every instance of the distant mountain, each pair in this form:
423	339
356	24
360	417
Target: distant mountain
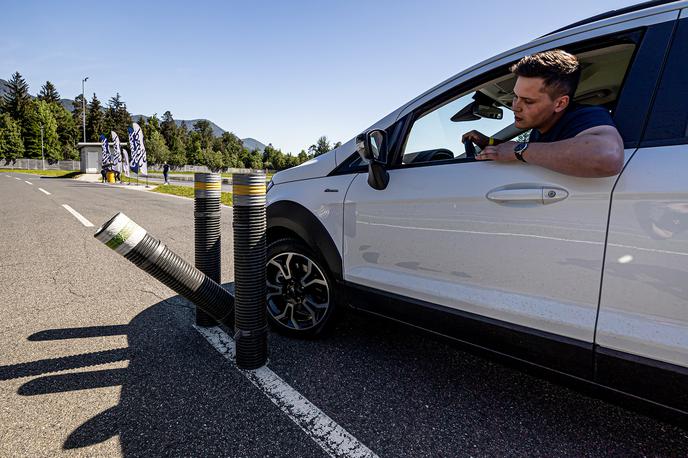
252	143
249	143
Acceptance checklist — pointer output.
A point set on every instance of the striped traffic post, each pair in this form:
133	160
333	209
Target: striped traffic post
207	243
151	255
249	270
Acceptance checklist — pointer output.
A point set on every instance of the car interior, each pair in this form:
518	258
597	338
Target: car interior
436	136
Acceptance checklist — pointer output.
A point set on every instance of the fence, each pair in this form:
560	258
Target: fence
37	164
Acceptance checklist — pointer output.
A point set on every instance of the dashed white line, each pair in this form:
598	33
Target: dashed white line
331	437
76	214
17	178
28	182
44	191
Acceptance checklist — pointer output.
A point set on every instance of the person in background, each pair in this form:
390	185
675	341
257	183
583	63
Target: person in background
165	172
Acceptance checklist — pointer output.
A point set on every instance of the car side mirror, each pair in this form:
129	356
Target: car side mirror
372	147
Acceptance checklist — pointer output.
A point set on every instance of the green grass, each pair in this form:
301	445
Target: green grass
188	191
268	176
46	173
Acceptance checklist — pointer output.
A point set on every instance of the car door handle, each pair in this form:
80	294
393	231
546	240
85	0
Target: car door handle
534	194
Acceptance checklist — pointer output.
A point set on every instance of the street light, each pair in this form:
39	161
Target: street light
42	155
83	106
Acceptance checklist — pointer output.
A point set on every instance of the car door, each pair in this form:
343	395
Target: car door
512	242
642	333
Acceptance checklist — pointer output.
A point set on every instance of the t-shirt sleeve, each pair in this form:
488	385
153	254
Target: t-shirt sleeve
584	119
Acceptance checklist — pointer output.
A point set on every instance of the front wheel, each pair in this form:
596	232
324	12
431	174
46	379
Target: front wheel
300	290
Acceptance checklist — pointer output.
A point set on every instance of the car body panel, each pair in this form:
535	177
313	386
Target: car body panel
644	302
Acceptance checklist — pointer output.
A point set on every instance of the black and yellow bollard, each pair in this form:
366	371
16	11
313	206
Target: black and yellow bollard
249	270
207	242
133	242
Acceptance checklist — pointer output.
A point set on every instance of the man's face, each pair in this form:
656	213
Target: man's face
533	106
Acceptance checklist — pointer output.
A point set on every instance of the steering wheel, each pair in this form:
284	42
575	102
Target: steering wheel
441	155
470	149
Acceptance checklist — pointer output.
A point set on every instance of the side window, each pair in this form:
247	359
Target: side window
436	135
669	118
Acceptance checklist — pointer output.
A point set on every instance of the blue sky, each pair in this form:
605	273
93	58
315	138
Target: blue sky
281	72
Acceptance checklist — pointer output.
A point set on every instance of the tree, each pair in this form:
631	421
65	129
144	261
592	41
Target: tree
156	150
95	120
40	117
117	118
321	146
168	128
11	144
67	131
212	159
15	101
231	148
49	93
205	131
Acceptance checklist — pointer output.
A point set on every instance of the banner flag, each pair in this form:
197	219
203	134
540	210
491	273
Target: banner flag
105	156
133	165
139	150
117	155
125	162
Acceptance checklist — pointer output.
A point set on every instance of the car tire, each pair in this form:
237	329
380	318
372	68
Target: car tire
300	299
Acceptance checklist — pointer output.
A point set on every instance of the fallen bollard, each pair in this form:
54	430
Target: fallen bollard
133	242
249	270
207	241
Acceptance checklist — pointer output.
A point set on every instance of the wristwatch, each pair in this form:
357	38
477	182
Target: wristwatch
519	149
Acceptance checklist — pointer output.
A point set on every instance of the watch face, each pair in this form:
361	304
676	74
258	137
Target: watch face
520	147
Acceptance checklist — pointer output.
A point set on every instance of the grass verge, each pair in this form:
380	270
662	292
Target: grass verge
46	173
188	191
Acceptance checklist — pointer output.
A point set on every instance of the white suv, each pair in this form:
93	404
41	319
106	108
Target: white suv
586	277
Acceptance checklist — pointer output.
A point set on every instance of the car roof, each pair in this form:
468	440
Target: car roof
612	17
614	13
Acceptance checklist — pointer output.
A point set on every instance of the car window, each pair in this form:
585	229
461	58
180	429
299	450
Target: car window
669	118
435	137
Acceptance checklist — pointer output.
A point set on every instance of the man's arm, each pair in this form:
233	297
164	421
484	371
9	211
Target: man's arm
595	152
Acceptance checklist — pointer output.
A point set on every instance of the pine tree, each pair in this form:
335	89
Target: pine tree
11	144
67	131
16	99
95	120
168	128
49	93
117	117
205	132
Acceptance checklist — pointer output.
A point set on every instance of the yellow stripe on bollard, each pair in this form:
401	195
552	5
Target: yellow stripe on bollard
245	190
217	186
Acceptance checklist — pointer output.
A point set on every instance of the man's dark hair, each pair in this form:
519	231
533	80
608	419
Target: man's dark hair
560	70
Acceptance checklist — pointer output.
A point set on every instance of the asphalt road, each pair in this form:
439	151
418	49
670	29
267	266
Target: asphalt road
99	359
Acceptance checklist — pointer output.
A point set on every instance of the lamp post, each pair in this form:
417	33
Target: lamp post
42	155
83	106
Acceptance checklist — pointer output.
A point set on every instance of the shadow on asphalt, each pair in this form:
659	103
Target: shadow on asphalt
400	392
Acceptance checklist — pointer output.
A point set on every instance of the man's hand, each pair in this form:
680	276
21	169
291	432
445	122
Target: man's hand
477	138
503	152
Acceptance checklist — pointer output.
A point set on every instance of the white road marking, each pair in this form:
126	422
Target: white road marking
331	437
8	176
44	191
17	178
76	214
28	182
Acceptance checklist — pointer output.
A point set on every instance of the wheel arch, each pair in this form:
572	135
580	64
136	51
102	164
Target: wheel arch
290	219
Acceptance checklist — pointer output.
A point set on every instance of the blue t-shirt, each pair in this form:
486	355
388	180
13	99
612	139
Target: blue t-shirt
576	119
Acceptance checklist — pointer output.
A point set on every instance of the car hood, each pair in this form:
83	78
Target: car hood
317	167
